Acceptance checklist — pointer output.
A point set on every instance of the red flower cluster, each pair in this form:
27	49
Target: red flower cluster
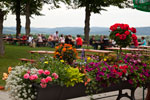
132	29
121	33
123	69
135	41
122	26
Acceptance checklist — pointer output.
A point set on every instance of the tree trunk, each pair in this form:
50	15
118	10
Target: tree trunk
27	27
2	50
87	23
18	20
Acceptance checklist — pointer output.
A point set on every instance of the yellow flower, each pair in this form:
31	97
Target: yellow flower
5	76
46	62
88	58
61	60
105	59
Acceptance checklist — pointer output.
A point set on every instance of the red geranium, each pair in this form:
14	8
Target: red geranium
122	34
122	37
127	32
117	34
132	29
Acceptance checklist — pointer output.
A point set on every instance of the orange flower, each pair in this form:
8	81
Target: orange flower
9	69
57	47
5	76
88	80
70	48
57	53
60	56
64	49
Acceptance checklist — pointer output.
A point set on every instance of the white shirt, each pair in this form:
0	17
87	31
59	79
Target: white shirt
62	40
30	39
56	36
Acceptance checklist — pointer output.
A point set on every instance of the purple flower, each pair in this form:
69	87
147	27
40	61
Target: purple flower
130	81
101	73
104	69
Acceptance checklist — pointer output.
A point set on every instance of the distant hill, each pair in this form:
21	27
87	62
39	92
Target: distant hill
73	30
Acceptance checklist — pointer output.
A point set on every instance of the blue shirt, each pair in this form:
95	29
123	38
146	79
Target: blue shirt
144	44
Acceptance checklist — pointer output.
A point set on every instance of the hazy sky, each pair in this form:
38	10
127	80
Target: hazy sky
64	17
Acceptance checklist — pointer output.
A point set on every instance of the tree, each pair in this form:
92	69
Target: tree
31	7
15	7
3	12
96	6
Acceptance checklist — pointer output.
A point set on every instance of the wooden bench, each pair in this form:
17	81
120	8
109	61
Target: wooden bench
42	52
27	60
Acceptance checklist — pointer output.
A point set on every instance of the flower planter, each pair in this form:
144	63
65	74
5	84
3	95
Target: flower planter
72	92
51	92
55	92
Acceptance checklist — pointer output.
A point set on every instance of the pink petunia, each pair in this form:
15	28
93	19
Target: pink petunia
48	79
43	85
28	71
35	76
40	71
43	80
32	77
54	74
26	76
56	77
47	72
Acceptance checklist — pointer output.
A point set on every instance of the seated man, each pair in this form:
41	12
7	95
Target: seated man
93	43
104	43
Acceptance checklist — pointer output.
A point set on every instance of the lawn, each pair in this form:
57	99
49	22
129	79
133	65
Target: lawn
12	55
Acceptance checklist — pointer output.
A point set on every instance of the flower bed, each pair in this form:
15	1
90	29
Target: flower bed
95	75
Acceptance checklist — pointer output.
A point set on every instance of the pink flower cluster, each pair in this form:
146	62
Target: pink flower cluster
42	75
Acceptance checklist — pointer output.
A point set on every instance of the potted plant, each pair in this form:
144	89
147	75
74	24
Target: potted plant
66	52
123	35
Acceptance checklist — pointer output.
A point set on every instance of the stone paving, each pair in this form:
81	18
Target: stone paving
104	96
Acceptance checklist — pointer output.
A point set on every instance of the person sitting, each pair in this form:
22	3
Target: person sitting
93	42
30	38
71	40
104	42
51	41
62	39
67	40
143	41
78	42
39	40
56	37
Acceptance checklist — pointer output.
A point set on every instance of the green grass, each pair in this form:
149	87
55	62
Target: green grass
12	55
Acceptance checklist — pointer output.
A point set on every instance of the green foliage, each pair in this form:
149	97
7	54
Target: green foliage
74	76
67	75
96	6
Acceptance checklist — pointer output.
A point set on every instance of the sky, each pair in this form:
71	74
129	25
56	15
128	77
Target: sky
64	17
